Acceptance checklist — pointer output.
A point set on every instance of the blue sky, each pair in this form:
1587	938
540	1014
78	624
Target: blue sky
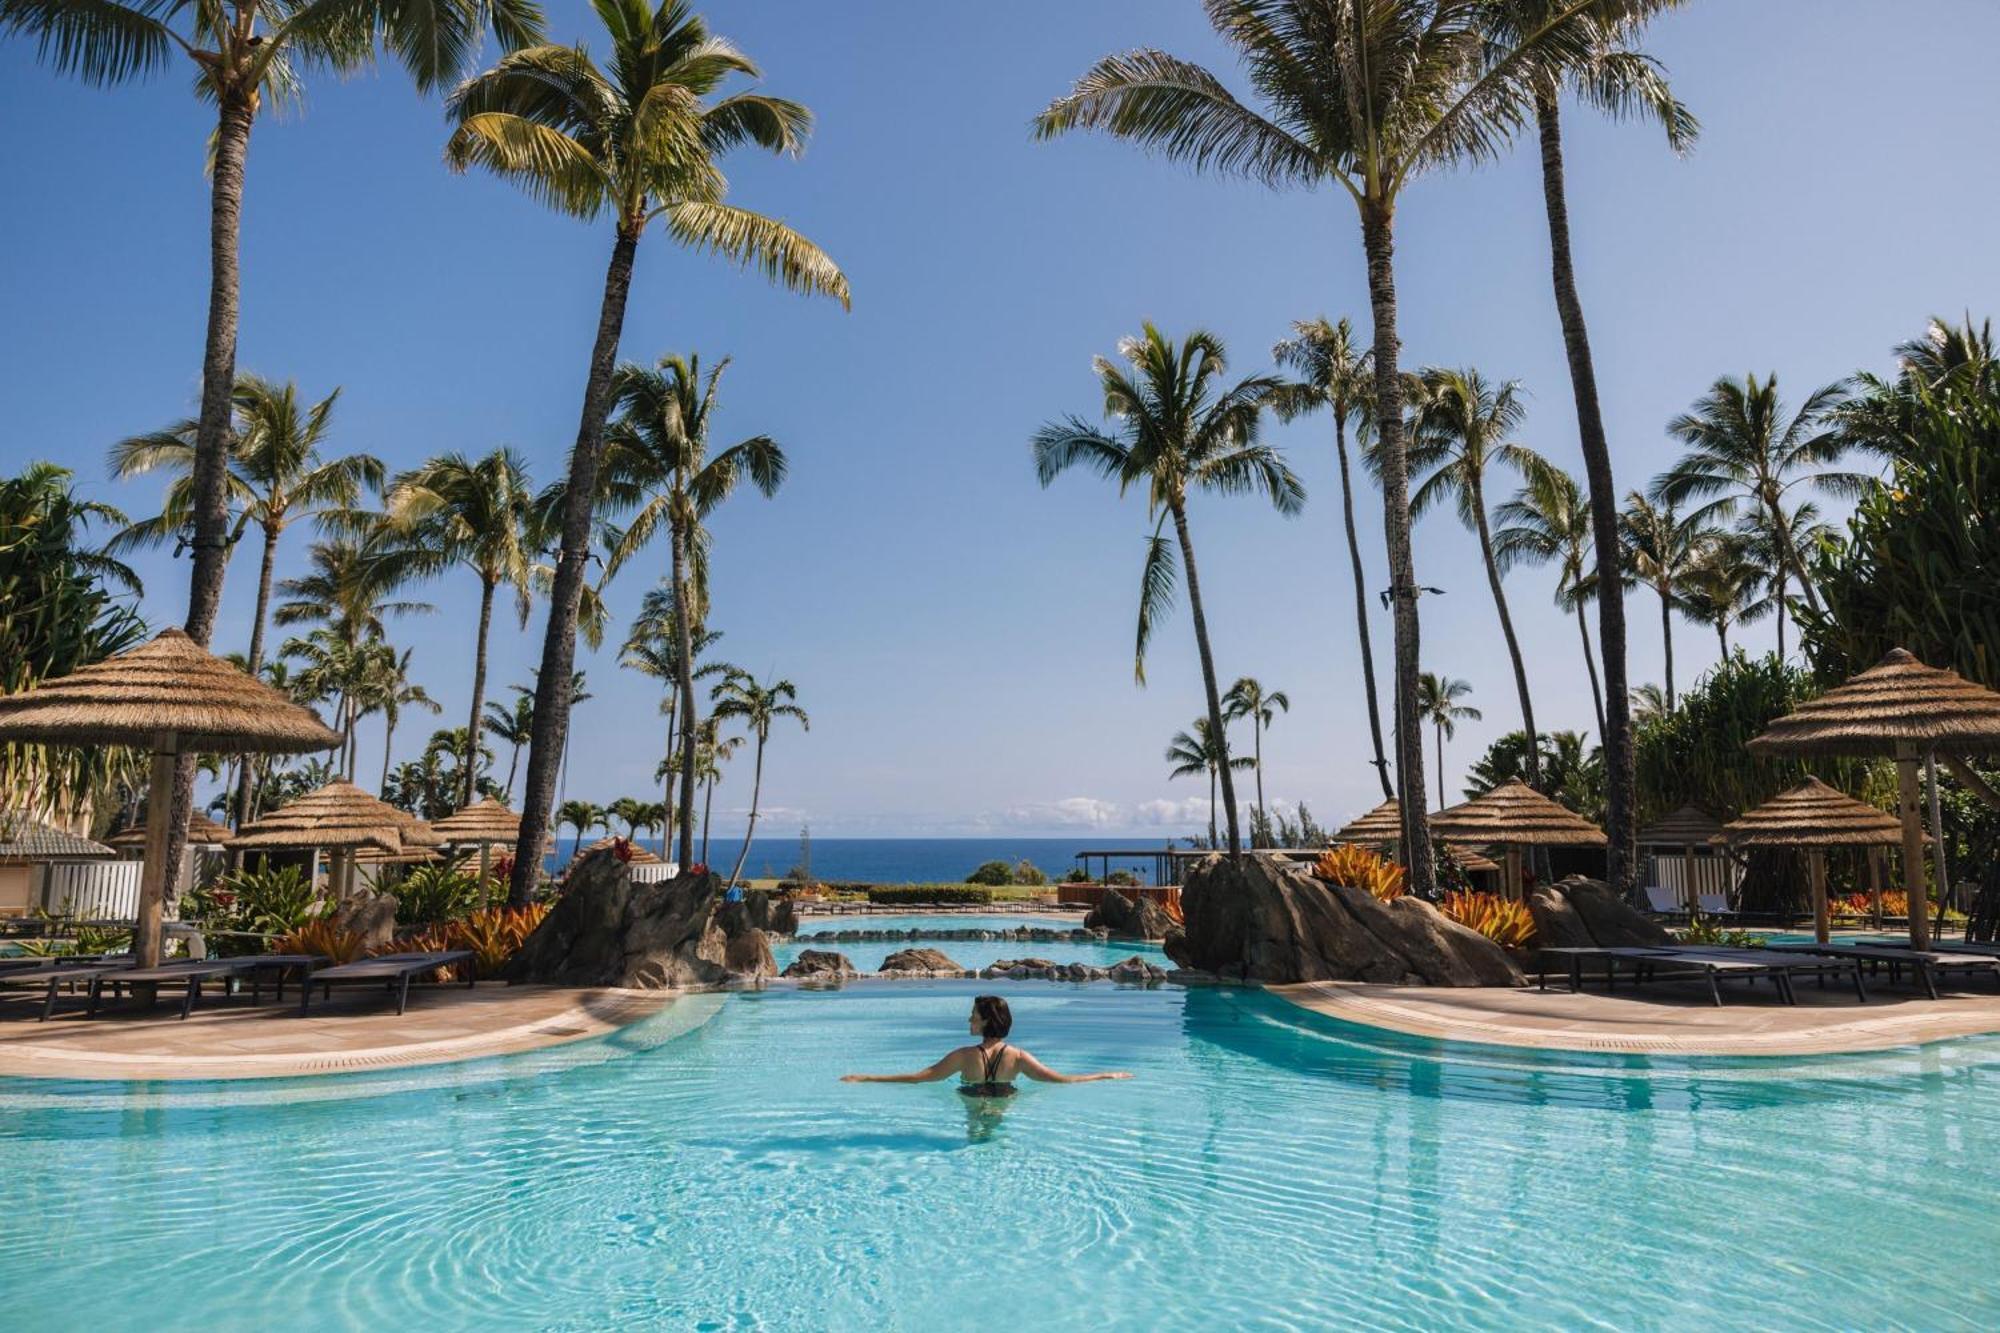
961	637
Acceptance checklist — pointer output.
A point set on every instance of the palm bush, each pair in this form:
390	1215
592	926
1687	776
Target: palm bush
274	901
432	894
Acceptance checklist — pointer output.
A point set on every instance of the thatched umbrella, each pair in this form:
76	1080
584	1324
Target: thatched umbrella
340	819
201	832
1813	817
636	853
1513	816
485	824
172	697
1903	709
1686	828
1473	860
1380	827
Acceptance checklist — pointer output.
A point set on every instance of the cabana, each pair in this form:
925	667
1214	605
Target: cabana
339	819
29	851
485	824
1693	834
1812	817
1511	817
1380	828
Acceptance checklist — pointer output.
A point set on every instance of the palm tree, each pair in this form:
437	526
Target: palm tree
1467	425
389	691
1365	96
758	706
653	648
583	816
1661	548
1438	698
332	667
1548	521
1333	374
513	726
1726	586
480	514
715	751
1196	752
639	143
1617	79
1742	451
656	461
1649	703
1248	698
1176	433
1803	534
630	811
346	589
575	695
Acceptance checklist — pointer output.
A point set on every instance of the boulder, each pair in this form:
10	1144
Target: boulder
1137	971
1134	918
1266	921
607	931
1611	923
784	918
823	963
1557	924
372	916
922	962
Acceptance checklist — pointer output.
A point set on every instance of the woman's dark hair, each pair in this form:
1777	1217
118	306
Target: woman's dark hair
995	1018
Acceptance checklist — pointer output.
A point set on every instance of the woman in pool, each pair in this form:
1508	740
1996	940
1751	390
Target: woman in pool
989	1068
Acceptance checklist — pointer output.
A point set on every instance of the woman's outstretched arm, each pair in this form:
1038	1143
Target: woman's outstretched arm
944	1068
1041	1073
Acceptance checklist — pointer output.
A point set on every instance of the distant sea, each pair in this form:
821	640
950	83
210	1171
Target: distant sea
901	860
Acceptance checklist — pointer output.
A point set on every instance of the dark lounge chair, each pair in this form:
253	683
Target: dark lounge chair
56	975
1930	965
395	971
1649	963
191	973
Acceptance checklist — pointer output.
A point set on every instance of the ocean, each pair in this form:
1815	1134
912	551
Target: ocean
902	860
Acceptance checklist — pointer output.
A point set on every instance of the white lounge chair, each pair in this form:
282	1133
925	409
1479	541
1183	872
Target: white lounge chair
1715	904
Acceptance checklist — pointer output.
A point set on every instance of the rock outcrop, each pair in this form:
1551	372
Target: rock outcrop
1136	971
824	964
607	931
1266	921
921	962
372	916
1134	918
784	917
1584	913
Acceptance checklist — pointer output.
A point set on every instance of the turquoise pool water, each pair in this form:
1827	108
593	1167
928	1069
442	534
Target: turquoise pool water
868	955
1265	1169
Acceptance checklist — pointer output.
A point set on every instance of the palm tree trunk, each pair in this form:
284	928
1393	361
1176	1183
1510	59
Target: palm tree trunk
1722	636
1257	747
240	808
1620	787
1782	613
1360	603
1590	666
1440	736
553	685
1533	758
667	761
756	792
1208	680
487	583
1667	640
388	743
1213	840
1378	239
707	809
513	765
1788	559
685	632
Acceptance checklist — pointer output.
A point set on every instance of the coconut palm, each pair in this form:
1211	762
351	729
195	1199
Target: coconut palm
1466	426
1438	700
1333	373
347	589
1614	77
757	706
1177	431
715	751
1546	522
1879	412
478	514
1726	586
333	668
657	466
1366	97
388	691
653	648
1248	698
512	725
634	141
1803	534
1649	703
631	811
1195	753
1661	548
582	816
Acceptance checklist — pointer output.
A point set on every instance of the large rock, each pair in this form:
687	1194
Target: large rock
784	917
1557	924
1134	918
821	963
607	931
922	962
1262	920
1609	923
372	916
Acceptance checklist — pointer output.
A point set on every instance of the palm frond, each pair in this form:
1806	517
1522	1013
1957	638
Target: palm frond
1157	584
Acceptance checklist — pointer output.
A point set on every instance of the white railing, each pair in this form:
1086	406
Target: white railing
652	872
93	890
1712	874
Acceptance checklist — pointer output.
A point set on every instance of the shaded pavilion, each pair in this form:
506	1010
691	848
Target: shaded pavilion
1380	827
485	824
172	697
1513	817
1688	831
1906	711
341	820
1813	817
201	832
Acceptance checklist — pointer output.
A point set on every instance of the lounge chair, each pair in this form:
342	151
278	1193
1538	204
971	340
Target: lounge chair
1646	963
190	973
1930	965
1793	963
1715	904
394	970
1663	901
55	976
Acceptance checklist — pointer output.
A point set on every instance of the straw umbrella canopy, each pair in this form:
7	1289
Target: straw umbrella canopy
1813	817
201	832
1686	828
637	853
485	824
1378	828
1905	710
172	697
340	819
1512	816
1472	859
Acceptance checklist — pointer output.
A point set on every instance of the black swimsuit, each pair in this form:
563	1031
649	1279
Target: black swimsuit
989	1086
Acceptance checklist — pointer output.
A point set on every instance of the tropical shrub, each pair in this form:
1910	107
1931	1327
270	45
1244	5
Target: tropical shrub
1505	921
1708	930
436	893
324	938
993	873
1572	770
64	937
1359	868
1076	875
930	893
495	935
1030	874
1122	879
272	901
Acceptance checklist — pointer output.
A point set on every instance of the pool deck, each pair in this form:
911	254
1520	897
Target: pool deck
355	1030
1666	1018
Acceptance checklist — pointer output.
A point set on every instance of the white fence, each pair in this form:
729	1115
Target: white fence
1712	874
652	872
93	890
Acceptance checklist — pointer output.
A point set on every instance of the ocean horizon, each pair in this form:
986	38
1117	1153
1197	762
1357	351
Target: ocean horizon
901	860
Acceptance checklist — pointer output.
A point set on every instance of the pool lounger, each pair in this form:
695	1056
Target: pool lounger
393	970
54	977
1648	962
1930	965
190	973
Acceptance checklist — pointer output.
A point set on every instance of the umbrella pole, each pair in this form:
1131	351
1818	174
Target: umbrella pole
1513	870
1909	806
485	861
1816	867
153	878
1876	874
1688	890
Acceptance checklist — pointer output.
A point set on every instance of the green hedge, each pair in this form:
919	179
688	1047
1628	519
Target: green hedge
930	893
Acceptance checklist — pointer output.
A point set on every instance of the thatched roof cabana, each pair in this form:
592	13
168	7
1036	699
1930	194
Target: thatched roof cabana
1514	814
172	697
1685	827
1383	824
337	817
28	840
639	854
1473	860
1813	817
485	822
201	832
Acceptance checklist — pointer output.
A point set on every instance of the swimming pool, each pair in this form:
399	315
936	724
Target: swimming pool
867	955
1266	1168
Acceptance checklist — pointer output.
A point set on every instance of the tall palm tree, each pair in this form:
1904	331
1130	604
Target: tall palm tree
630	811
1661	548
512	725
656	462
1248	698
1465	427
1366	95
1548	521
1611	75
333	668
1196	752
1438	697
582	816
634	141
1726	586
1177	431
1742	451
715	751
1802	533
741	697
347	589
1333	373
653	648
479	514
275	476
390	691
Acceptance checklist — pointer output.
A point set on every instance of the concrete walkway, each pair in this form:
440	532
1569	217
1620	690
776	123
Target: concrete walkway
1665	1018
355	1030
